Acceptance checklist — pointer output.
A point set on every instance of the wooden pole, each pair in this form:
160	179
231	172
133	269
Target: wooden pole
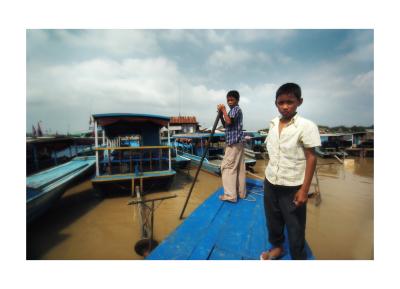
96	142
201	163
169	150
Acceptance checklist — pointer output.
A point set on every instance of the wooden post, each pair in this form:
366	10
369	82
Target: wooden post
130	162
55	157
96	142
120	161
35	157
109	161
133	187
169	150
151	160
160	159
141	161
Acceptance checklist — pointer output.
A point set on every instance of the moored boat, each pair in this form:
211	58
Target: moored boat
46	187
131	154
192	146
254	146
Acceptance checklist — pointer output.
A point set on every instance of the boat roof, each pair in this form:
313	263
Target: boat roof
197	135
253	134
335	134
106	119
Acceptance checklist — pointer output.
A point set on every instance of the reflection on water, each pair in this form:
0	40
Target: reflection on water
85	226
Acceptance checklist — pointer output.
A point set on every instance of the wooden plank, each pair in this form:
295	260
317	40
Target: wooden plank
236	233
259	235
203	249
222	231
179	245
221	254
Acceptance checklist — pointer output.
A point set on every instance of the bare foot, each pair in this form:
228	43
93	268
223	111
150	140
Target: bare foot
228	198
273	254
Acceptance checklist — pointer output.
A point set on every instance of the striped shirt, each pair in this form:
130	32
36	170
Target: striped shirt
287	162
234	131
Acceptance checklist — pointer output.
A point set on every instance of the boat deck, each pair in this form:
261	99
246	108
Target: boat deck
222	231
123	177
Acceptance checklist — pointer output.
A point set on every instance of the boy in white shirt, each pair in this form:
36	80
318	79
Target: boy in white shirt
290	143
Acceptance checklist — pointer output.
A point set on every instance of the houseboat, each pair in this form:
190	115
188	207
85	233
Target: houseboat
254	146
333	144
129	153
192	146
362	144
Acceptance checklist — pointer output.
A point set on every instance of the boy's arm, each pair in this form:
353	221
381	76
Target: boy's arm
221	117
311	161
226	117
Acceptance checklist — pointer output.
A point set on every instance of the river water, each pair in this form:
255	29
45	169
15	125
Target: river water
83	225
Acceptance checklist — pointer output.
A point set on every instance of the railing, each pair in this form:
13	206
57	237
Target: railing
133	160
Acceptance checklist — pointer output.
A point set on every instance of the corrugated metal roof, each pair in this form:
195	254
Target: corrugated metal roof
133	115
183	120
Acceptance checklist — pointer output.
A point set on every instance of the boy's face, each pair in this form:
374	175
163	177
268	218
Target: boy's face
287	105
231	101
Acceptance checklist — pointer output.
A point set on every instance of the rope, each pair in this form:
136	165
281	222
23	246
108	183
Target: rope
254	175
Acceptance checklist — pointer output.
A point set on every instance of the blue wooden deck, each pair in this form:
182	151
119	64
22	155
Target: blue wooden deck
221	231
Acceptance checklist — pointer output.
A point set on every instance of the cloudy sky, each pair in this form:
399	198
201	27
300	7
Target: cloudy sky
72	74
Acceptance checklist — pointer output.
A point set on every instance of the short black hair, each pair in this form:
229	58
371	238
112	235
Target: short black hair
289	88
234	94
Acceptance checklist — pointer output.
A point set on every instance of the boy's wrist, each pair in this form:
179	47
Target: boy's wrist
303	191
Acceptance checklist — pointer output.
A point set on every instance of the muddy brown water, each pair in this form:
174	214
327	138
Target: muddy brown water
82	225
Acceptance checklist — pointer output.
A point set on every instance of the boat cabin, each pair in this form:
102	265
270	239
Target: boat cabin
129	150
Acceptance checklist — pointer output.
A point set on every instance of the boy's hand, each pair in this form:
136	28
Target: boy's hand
221	107
300	198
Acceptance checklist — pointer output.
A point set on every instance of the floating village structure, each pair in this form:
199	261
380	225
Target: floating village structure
183	124
192	146
254	145
129	152
344	144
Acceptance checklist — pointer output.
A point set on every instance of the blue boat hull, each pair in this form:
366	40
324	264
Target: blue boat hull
222	231
207	166
45	188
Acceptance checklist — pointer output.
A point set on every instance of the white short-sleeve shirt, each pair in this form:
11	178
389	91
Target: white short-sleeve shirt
287	162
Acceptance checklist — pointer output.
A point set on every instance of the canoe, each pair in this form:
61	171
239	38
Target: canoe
46	187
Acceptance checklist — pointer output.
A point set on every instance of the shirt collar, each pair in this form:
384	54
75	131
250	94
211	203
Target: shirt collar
294	120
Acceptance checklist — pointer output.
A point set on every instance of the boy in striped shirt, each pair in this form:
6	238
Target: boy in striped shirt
233	168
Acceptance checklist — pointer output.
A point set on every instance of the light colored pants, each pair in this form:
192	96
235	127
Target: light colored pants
233	171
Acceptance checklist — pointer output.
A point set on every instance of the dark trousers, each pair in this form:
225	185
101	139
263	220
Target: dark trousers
280	211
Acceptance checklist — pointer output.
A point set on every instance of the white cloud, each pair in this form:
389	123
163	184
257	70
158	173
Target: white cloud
246	36
228	57
131	81
115	42
364	80
134	74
